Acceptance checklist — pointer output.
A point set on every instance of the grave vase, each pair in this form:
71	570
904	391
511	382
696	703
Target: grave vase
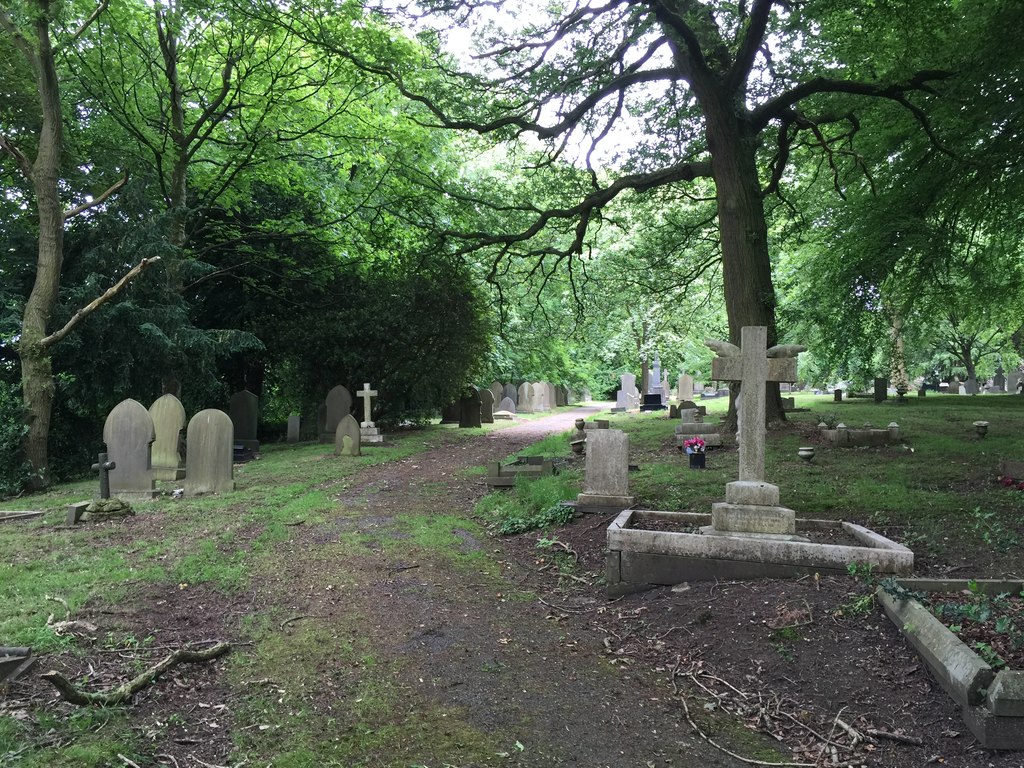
697	459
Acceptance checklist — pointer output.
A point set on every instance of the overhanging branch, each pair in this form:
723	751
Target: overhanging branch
72	212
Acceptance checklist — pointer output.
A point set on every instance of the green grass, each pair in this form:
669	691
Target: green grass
530	504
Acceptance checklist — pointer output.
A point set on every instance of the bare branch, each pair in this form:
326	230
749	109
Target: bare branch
87	23
98	302
72	212
24	164
752	40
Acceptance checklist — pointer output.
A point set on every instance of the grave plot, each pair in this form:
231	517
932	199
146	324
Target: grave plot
843	436
527	467
991	700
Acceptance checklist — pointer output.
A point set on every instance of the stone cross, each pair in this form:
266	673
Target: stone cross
366	393
103	467
752	364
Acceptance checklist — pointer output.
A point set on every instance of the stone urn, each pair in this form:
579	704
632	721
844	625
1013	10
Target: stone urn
805	452
981	427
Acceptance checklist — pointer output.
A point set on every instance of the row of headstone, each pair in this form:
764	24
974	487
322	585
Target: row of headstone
134	436
628	396
336	406
503	401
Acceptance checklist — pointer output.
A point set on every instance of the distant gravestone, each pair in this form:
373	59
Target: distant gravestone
338	405
128	433
999	380
209	464
684	387
486	406
881	388
510	391
368	431
551	396
971	386
347	437
541	397
1013	382
497	391
507	405
450	414
244	409
524	403
469	409
168	416
606	476
294	423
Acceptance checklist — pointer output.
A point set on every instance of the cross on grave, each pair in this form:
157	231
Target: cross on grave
366	393
103	467
752	364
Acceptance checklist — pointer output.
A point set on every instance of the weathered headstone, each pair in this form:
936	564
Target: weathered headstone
294	423
541	397
338	405
684	387
999	380
368	431
168	416
469	409
347	437
507	405
751	504
244	409
654	379
497	391
450	413
209	464
881	387
486	406
971	386
524	402
510	391
104	466
128	433
1013	382
606	476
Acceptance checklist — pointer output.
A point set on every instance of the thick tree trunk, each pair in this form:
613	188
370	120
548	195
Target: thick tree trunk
37	374
746	265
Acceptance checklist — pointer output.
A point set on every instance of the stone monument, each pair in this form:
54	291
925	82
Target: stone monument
368	432
337	405
129	434
244	408
209	464
168	416
606	476
347	437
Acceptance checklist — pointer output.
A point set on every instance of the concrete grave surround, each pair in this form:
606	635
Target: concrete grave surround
244	409
510	391
524	401
209	464
168	416
486	406
752	364
368	431
347	439
606	476
338	406
128	433
507	405
469	409
294	422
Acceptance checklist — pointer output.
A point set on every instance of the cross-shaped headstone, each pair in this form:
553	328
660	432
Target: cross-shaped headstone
366	393
103	467
752	364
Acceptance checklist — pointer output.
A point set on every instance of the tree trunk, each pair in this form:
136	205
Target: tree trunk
746	265
36	371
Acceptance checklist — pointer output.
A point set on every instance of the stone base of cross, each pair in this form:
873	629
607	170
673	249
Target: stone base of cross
751	504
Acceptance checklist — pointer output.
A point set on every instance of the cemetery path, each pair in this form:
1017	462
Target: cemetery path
467	635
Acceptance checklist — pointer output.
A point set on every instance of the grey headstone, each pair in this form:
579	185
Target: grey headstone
168	416
971	386
450	414
294	422
338	406
497	391
524	402
469	409
607	467
684	387
881	387
510	391
209	466
486	406
244	409
128	433
507	405
347	437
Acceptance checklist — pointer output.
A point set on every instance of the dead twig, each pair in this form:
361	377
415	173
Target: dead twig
288	622
129	763
912	740
565	610
125	692
399	568
856	735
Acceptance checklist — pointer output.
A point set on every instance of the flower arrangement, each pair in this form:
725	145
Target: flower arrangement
1009	482
694	445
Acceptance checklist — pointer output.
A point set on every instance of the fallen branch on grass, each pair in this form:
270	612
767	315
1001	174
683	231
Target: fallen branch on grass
912	740
125	692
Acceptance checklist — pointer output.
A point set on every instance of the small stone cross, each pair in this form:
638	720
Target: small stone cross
752	364
366	393
103	467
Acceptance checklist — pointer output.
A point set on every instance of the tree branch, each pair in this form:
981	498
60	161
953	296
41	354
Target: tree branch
87	23
752	39
72	212
24	164
98	302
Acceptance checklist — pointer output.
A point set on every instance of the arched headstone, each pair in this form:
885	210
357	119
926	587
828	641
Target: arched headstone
209	459
128	433
244	409
486	406
469	409
338	405
168	416
347	437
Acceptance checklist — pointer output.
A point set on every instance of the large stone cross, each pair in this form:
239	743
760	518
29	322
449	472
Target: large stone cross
752	364
366	393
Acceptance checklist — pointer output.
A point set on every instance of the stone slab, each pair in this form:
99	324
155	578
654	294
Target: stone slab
1006	695
75	512
752	518
594	503
993	731
752	492
711	439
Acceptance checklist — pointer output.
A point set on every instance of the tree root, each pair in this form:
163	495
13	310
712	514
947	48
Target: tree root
126	691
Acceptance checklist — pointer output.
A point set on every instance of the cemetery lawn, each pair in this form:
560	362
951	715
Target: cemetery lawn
378	619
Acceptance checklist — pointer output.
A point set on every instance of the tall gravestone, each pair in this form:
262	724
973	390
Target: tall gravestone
294	423
486	406
168	416
497	391
684	388
244	409
606	476
338	405
129	434
552	395
368	431
524	401
539	390
469	409
510	391
209	459
347	437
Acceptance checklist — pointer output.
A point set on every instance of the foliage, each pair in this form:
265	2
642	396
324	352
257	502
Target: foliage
531	504
13	468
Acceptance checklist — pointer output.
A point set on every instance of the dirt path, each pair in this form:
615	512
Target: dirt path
467	638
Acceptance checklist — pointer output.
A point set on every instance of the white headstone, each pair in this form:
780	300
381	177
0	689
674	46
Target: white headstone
366	393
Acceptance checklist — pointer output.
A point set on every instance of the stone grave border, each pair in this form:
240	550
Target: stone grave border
11	517
991	703
639	559
528	467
